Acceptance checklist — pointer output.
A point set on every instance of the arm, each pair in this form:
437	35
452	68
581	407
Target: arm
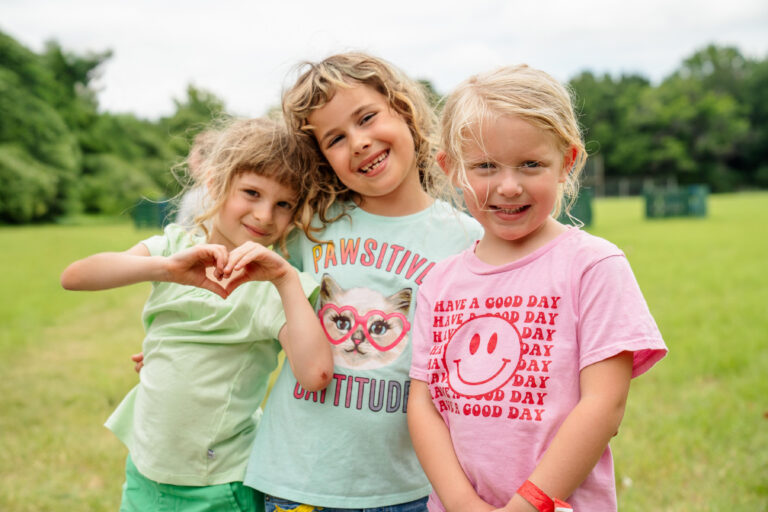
585	433
432	443
107	270
302	336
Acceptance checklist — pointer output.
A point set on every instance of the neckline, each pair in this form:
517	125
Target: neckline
358	211
478	266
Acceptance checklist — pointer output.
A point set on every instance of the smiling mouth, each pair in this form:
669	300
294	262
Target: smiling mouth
510	211
371	166
255	232
458	373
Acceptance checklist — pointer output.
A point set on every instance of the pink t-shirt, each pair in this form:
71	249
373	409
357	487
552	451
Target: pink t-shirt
501	348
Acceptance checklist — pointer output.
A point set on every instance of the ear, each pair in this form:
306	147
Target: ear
328	289
401	300
568	160
442	161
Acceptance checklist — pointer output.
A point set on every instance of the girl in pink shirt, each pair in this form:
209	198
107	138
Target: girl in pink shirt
525	344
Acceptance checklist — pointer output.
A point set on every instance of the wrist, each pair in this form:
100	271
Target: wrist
286	278
161	268
540	501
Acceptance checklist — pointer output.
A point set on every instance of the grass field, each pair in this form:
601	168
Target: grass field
695	436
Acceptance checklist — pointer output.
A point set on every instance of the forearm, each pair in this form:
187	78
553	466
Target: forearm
302	337
434	449
584	435
112	269
577	447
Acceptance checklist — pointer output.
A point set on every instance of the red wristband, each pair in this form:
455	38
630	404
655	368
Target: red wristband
536	497
539	499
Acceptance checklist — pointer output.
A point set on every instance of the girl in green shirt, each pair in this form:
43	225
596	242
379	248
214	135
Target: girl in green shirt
220	297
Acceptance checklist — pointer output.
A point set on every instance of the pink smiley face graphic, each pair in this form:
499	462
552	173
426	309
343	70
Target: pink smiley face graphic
482	355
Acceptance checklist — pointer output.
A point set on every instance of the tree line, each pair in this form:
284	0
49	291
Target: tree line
59	155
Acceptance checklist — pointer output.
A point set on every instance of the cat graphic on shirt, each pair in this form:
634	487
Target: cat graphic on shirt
366	329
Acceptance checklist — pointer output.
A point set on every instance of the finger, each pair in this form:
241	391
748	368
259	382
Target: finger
243	257
258	254
213	255
222	258
235	257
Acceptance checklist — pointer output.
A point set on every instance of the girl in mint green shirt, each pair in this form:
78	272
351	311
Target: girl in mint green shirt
220	299
346	447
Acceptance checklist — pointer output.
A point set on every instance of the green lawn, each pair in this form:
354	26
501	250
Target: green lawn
695	436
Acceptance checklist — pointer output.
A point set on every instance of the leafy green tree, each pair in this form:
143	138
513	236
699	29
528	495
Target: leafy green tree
755	100
27	187
32	130
602	104
112	185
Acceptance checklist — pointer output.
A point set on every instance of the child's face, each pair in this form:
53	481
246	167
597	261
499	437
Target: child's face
257	209
368	145
514	179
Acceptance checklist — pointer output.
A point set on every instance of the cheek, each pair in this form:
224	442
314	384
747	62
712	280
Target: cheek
284	217
476	194
335	159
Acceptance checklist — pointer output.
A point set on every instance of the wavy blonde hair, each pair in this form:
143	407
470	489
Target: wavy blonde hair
316	86
520	91
261	146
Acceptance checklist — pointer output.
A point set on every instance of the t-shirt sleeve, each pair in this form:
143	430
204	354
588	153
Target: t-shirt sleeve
310	286
277	319
420	340
293	245
172	240
614	317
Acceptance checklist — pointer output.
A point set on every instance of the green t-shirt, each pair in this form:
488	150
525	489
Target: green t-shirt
192	417
348	445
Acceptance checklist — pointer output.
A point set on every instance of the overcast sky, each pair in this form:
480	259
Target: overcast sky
244	51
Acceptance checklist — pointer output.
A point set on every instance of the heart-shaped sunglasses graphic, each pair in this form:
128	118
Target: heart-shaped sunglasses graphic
339	323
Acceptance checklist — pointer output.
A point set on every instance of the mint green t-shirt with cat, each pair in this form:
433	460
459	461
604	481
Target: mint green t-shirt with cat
348	446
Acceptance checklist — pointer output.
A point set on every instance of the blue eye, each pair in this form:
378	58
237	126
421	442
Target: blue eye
342	323
531	164
379	328
483	167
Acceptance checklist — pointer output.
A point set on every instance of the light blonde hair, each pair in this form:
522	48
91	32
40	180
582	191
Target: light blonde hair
261	146
520	91
317	85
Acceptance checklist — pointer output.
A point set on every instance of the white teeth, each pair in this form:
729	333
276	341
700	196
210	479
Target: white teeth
375	163
510	211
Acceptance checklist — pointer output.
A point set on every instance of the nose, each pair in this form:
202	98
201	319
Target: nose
509	183
360	141
263	212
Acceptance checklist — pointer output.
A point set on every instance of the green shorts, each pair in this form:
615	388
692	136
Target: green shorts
140	494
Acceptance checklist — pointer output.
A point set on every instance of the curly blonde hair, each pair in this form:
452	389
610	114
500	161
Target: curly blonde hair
316	86
520	91
261	146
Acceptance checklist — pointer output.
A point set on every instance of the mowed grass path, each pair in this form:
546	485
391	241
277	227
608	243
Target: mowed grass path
695	436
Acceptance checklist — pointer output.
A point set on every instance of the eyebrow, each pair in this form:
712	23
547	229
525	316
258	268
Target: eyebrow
359	110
